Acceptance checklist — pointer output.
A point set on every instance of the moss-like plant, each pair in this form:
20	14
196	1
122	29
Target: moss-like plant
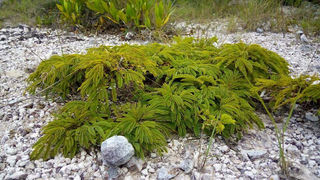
147	92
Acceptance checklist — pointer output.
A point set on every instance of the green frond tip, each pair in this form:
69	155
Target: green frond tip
284	89
143	130
252	61
77	126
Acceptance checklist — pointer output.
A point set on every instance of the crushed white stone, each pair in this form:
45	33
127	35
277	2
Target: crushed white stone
23	48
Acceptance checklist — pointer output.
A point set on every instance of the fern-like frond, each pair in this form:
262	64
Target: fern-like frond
75	127
285	89
143	130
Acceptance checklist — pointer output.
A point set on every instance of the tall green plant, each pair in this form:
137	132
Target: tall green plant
71	10
134	13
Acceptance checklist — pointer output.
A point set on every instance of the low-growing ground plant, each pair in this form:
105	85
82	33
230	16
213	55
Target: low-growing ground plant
148	92
182	87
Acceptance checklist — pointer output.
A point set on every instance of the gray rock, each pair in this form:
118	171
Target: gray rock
244	156
129	35
77	177
259	30
186	165
34	176
65	170
153	155
2	38
217	167
116	151
2	175
113	172
293	150
311	117
195	175
22	163
135	164
11	151
274	177
208	170
163	174
15	73
17	175
224	148
151	170
30	165
255	154
299	171
304	38
183	177
93	42
11	160
300	32
249	174
206	176
144	172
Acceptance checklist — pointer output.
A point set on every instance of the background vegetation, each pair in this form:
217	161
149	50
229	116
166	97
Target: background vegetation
270	15
29	12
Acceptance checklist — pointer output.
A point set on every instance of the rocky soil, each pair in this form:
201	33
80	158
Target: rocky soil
255	157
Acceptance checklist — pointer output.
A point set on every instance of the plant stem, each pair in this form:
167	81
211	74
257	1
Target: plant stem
284	129
275	126
210	144
209	147
280	135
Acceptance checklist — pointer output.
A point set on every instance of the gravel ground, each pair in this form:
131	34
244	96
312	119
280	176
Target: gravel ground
255	157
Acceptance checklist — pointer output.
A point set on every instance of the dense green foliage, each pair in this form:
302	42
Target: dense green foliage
78	123
285	90
71	10
146	92
151	14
